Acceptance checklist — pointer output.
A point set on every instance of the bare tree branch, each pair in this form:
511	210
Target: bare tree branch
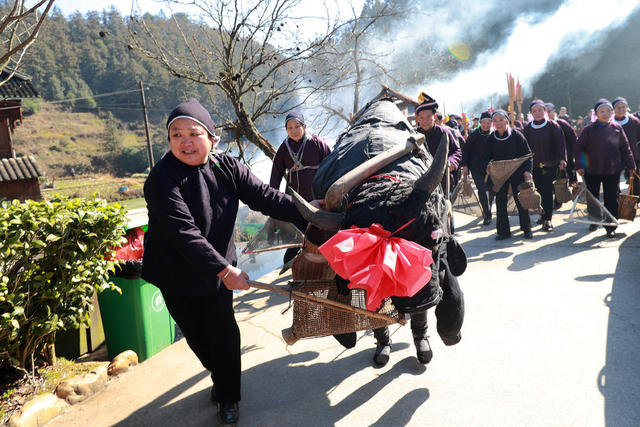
19	28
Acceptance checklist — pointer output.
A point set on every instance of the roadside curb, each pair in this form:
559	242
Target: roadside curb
44	407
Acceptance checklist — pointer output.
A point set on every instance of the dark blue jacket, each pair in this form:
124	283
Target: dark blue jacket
192	214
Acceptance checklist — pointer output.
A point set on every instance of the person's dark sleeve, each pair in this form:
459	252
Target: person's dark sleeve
625	151
467	150
570	139
264	198
323	147
527	166
178	228
277	168
489	154
559	143
581	148
455	154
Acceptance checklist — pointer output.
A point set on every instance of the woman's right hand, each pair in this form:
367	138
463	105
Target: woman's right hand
580	172
235	279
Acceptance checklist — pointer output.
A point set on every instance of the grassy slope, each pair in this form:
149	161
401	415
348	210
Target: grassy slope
61	139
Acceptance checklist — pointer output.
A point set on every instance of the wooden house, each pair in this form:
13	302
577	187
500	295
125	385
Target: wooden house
405	103
18	175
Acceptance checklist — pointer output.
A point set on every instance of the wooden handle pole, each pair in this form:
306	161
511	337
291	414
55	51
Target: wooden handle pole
274	248
324	301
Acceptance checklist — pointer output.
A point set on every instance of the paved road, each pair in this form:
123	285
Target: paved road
551	337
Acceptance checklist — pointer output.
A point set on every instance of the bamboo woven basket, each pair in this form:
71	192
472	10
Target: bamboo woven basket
628	203
561	188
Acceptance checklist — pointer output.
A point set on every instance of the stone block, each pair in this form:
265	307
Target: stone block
38	411
80	387
122	362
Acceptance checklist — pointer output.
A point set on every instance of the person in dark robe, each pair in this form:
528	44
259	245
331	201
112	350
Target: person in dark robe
602	152
426	114
475	123
427	118
514	123
192	197
507	144
475	153
546	140
453	125
297	160
570	139
631	126
522	119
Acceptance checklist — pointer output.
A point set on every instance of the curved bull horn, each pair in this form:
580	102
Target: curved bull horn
430	180
335	193
329	221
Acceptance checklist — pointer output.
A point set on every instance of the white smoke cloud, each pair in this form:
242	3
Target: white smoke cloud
526	52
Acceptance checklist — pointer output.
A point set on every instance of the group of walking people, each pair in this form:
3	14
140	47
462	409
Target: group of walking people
603	149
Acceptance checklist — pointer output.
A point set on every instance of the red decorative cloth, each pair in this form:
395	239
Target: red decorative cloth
382	265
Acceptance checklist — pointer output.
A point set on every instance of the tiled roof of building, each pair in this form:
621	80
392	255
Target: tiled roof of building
20	168
18	86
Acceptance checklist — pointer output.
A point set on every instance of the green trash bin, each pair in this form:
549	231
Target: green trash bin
137	320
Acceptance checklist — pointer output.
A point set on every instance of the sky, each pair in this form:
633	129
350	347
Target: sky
306	7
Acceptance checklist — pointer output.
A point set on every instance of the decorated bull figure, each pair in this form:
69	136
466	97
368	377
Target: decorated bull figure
380	180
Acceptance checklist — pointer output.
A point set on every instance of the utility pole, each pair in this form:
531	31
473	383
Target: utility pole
146	125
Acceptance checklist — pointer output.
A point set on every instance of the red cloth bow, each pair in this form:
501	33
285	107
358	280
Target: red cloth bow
382	265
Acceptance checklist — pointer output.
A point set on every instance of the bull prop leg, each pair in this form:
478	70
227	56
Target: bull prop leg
288	335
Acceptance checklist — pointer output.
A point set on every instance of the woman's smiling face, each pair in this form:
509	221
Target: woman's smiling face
189	142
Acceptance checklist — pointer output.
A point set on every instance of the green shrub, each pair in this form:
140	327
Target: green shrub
52	260
31	106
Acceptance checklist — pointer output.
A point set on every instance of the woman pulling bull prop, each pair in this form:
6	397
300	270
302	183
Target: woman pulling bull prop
394	194
192	196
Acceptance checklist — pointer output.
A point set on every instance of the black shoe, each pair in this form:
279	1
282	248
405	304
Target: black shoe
593	227
611	234
213	396
423	350
556	205
228	413
547	226
528	234
502	236
486	221
540	221
381	357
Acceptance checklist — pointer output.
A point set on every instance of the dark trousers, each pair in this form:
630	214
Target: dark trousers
449	311
485	195
418	328
610	190
502	221
209	325
543	179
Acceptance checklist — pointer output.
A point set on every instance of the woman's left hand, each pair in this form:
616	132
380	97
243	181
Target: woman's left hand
562	164
527	176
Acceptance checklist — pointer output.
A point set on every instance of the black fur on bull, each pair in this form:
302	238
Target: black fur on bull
359	183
